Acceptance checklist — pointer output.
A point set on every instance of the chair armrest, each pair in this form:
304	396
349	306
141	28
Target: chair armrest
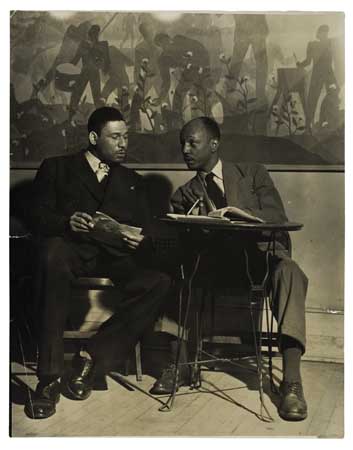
93	283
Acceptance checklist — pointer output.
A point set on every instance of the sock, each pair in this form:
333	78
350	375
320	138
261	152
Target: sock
183	369
291	354
183	350
85	354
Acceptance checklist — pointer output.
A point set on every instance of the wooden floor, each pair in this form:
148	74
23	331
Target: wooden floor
120	412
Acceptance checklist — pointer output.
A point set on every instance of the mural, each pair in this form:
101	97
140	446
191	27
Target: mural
273	82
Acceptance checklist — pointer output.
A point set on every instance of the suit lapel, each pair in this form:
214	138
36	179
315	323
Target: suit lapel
118	181
120	194
88	178
232	178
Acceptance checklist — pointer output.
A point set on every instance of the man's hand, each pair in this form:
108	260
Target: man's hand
192	192
132	241
81	222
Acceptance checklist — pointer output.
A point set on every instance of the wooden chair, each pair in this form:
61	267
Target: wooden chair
234	312
92	305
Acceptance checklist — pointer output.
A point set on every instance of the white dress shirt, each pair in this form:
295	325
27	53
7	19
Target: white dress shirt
218	175
100	169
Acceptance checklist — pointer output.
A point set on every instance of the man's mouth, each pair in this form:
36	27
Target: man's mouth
189	161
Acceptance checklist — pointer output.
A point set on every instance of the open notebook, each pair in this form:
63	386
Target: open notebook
227	214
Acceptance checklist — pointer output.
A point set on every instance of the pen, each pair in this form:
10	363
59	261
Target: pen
207	199
193	206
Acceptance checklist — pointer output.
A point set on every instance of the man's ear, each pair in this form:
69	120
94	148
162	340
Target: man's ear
92	137
214	145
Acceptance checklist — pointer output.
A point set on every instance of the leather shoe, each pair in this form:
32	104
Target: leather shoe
164	384
81	382
42	404
293	405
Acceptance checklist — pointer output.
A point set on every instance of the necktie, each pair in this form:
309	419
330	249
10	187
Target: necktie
214	192
102	171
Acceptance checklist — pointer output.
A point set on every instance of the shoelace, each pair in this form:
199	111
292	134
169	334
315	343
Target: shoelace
295	388
168	371
48	389
87	366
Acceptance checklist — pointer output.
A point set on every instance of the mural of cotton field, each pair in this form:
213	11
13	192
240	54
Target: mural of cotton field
273	82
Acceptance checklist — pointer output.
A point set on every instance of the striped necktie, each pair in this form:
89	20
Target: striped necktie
102	171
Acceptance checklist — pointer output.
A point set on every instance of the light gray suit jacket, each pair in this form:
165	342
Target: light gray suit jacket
247	186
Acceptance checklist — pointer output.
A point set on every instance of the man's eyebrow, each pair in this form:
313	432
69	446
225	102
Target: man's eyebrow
189	137
118	133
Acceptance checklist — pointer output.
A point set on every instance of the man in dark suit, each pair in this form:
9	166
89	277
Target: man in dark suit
68	192
250	188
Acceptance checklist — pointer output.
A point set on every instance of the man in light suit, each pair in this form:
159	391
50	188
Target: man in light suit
68	190
250	188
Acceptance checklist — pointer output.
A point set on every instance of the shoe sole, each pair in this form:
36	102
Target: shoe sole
162	393
294	417
168	392
29	414
75	396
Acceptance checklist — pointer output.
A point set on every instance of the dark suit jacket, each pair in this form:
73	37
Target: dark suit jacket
67	184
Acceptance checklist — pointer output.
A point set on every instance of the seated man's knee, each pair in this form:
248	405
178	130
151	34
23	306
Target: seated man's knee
54	253
290	268
162	280
288	265
158	281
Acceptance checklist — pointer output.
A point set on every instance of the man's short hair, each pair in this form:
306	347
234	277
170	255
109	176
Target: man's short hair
101	116
160	38
323	29
210	125
144	28
94	31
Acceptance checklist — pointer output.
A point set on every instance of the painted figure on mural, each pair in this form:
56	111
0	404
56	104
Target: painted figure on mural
60	76
186	54
128	27
251	30
148	50
320	54
117	73
94	55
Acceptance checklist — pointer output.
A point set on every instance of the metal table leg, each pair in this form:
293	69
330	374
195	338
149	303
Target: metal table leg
257	299
181	335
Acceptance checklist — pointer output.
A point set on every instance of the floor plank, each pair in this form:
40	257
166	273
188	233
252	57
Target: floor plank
120	412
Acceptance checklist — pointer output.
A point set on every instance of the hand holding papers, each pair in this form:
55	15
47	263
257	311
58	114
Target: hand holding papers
115	234
103	222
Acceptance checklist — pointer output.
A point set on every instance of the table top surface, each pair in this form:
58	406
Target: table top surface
220	224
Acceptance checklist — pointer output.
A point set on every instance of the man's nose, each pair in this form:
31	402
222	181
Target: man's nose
122	142
186	148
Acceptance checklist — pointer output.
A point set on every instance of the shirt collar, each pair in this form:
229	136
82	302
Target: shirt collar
218	170
93	161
